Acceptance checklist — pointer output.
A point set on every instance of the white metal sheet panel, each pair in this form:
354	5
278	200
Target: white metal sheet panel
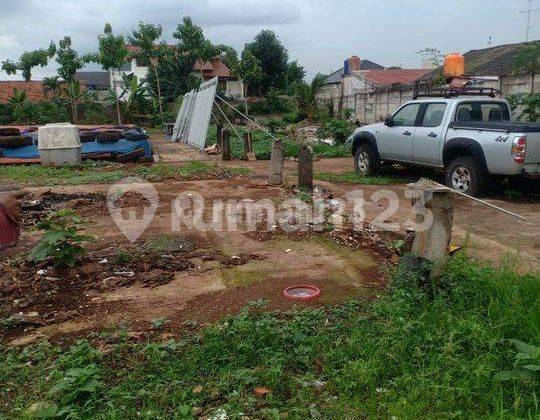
202	110
181	125
185	124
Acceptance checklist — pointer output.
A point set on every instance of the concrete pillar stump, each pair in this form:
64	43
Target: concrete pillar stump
305	169
275	176
432	239
225	145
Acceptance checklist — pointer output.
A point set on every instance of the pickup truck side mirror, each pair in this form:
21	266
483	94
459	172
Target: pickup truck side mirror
389	121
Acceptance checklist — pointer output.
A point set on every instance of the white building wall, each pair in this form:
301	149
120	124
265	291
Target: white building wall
116	75
235	89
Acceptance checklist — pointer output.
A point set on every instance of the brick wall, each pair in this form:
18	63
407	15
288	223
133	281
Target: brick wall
34	90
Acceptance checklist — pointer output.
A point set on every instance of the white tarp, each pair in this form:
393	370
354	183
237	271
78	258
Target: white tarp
181	125
202	111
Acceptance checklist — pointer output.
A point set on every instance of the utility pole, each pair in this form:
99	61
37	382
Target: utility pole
530	11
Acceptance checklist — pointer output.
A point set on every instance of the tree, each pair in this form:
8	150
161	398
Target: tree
112	54
191	40
193	44
146	40
28	60
230	58
251	72
528	61
431	57
305	95
51	84
69	63
272	57
176	77
294	73
76	95
69	60
133	95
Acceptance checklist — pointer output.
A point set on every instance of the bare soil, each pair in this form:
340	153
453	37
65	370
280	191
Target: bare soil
189	278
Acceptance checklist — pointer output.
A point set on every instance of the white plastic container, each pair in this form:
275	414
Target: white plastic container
59	144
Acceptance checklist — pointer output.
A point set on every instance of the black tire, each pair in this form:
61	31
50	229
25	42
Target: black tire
87	136
464	175
108	137
134	135
366	160
12	142
10	131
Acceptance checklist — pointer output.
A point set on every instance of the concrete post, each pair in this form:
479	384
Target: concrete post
432	239
275	176
219	129
247	145
225	145
305	169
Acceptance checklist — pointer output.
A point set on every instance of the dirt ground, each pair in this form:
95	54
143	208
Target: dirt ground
169	281
489	233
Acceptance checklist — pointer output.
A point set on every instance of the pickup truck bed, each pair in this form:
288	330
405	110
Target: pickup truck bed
508	126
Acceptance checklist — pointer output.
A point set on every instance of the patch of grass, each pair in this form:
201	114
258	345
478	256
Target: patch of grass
354	178
104	173
411	353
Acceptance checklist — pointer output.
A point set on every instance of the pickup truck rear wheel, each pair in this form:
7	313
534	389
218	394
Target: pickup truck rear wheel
464	175
366	161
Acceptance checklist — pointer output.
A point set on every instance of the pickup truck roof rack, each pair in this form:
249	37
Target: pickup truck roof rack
451	92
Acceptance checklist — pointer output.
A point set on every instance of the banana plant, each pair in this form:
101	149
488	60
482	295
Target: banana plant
133	94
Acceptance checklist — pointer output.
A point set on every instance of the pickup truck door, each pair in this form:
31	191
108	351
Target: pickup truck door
396	142
429	134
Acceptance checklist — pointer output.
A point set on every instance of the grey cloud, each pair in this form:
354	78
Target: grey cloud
319	33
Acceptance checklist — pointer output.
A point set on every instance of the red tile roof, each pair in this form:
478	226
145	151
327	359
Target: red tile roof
34	90
214	68
395	76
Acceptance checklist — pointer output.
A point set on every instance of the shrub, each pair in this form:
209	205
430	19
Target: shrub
336	128
61	243
275	125
527	105
347	113
273	103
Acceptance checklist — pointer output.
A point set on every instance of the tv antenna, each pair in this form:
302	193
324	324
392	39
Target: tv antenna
530	11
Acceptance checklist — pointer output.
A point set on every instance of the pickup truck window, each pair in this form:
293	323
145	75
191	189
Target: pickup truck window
482	111
406	116
433	115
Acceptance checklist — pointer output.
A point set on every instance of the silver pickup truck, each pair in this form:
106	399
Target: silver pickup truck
471	138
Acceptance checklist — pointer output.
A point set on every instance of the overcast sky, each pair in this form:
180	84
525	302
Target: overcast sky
319	33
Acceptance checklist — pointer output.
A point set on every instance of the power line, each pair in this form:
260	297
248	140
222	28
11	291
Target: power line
530	11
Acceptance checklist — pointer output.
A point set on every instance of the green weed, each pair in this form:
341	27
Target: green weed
409	353
354	178
61	242
104	173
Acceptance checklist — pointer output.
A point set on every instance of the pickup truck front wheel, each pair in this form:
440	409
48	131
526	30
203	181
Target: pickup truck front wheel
464	175
366	161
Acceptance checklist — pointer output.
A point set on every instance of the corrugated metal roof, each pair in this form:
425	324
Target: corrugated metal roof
97	79
492	61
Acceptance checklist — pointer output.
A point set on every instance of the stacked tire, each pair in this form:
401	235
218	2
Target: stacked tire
108	137
135	134
87	136
11	138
